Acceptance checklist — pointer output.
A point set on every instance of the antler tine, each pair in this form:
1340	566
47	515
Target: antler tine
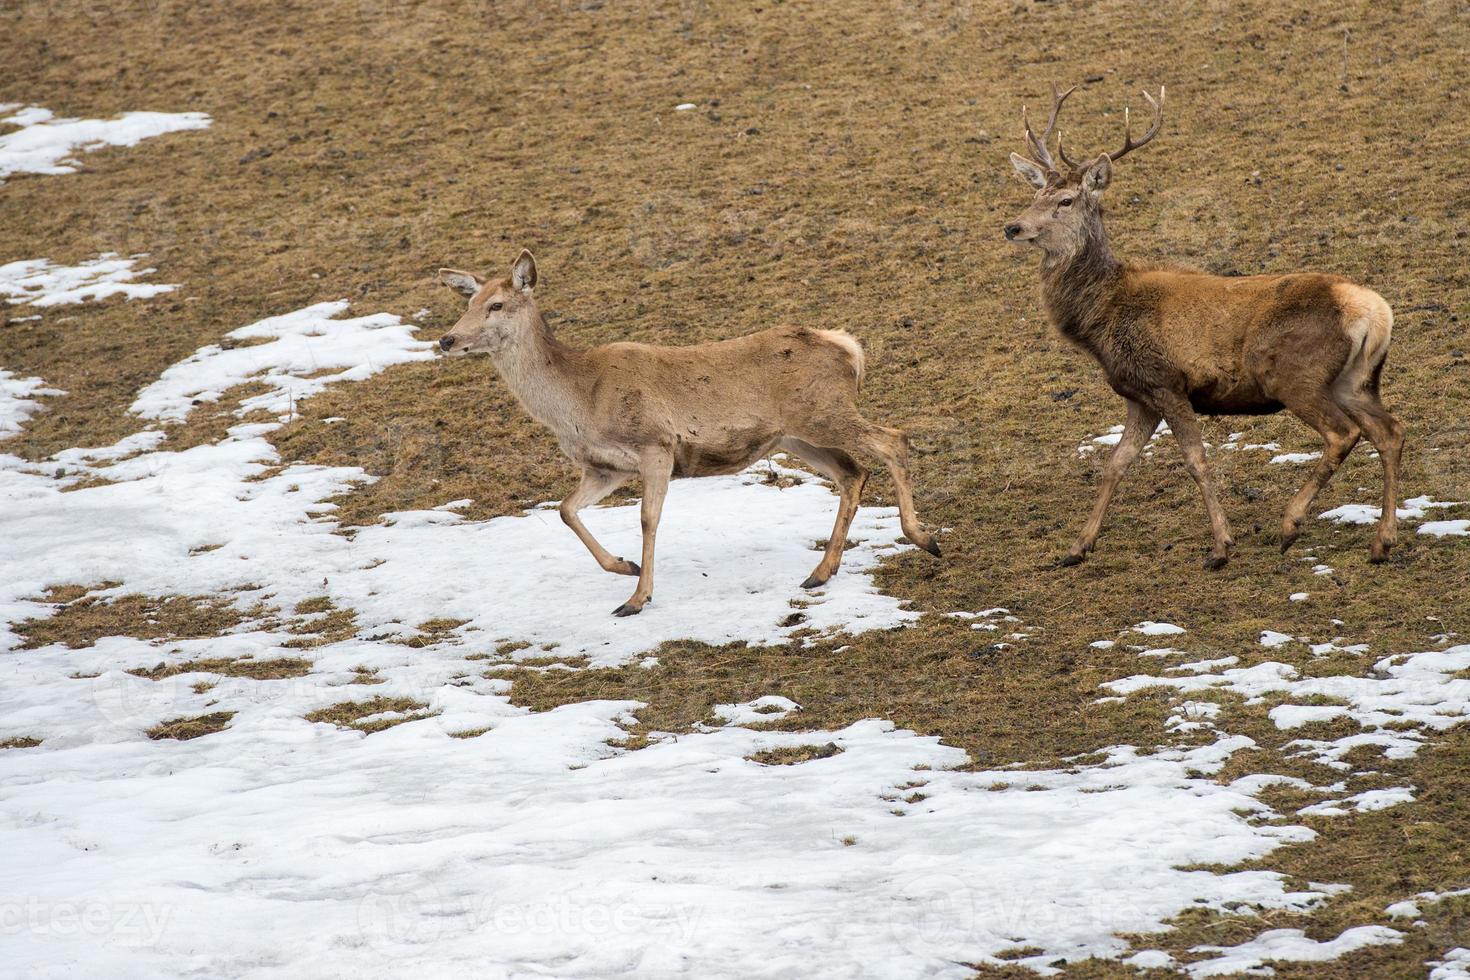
1153	129
1038	144
1063	153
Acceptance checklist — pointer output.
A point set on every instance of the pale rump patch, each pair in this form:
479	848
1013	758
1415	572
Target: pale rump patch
849	344
1367	320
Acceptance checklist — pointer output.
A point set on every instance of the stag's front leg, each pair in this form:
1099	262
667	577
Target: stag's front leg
1180	417
655	469
1136	432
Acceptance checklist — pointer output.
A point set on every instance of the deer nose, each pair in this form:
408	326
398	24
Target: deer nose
1012	230
446	342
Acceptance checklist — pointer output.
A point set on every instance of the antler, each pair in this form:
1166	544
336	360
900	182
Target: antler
1153	129
1038	145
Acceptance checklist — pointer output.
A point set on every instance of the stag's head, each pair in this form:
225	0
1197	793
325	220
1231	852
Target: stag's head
501	311
1066	204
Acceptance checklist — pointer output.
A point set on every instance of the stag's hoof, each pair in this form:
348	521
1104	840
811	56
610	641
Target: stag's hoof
626	567
627	609
1216	562
1070	560
933	548
813	582
1289	534
1378	552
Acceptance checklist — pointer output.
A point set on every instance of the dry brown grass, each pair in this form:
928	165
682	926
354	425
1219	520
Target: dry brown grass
184	729
20	742
790	755
845	168
256	670
84	620
351	714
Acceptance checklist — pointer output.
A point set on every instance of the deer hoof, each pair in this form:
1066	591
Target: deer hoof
1069	560
933	548
1216	562
813	582
626	567
1378	552
627	609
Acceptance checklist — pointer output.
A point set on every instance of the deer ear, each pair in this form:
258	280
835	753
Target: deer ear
467	284
523	273
1098	175
1034	175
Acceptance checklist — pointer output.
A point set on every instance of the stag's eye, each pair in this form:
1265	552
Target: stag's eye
496	307
1065	202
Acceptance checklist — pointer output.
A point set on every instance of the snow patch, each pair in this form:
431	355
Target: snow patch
18	401
306	350
38	282
1288	945
44	144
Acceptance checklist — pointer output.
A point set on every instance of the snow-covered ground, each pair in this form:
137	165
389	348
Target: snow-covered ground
280	847
41	143
39	282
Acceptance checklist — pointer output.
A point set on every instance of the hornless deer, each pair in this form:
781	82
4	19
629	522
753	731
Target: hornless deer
1176	341
624	410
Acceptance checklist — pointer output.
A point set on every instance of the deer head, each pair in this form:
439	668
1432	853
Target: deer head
1059	218
500	313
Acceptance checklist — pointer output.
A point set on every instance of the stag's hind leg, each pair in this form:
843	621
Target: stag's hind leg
596	484
1137	430
1339	435
1367	321
848	476
1387	435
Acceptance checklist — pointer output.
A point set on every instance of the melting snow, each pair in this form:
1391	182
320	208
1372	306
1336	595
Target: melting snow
1454	966
1150	628
18	400
1413	509
44	144
309	341
537	844
1288	945
40	283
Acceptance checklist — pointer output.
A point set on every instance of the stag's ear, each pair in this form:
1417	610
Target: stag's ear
523	273
467	284
1098	174
1034	175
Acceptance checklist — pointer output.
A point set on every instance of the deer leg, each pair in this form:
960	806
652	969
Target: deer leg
848	477
1387	435
1181	419
596	484
892	446
1339	434
1137	430
654	469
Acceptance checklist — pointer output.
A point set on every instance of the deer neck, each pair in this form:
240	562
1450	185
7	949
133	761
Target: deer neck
1077	288
538	369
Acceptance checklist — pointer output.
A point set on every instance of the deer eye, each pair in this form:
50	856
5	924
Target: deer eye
1065	202
496	307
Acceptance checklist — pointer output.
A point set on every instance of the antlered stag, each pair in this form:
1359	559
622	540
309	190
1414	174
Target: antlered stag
624	410
1176	341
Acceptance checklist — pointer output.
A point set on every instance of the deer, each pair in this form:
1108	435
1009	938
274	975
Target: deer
1174	341
625	410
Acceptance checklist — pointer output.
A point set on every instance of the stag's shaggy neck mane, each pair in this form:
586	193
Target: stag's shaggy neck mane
1077	287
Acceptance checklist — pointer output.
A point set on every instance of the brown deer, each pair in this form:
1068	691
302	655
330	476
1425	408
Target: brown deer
624	410
1176	341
